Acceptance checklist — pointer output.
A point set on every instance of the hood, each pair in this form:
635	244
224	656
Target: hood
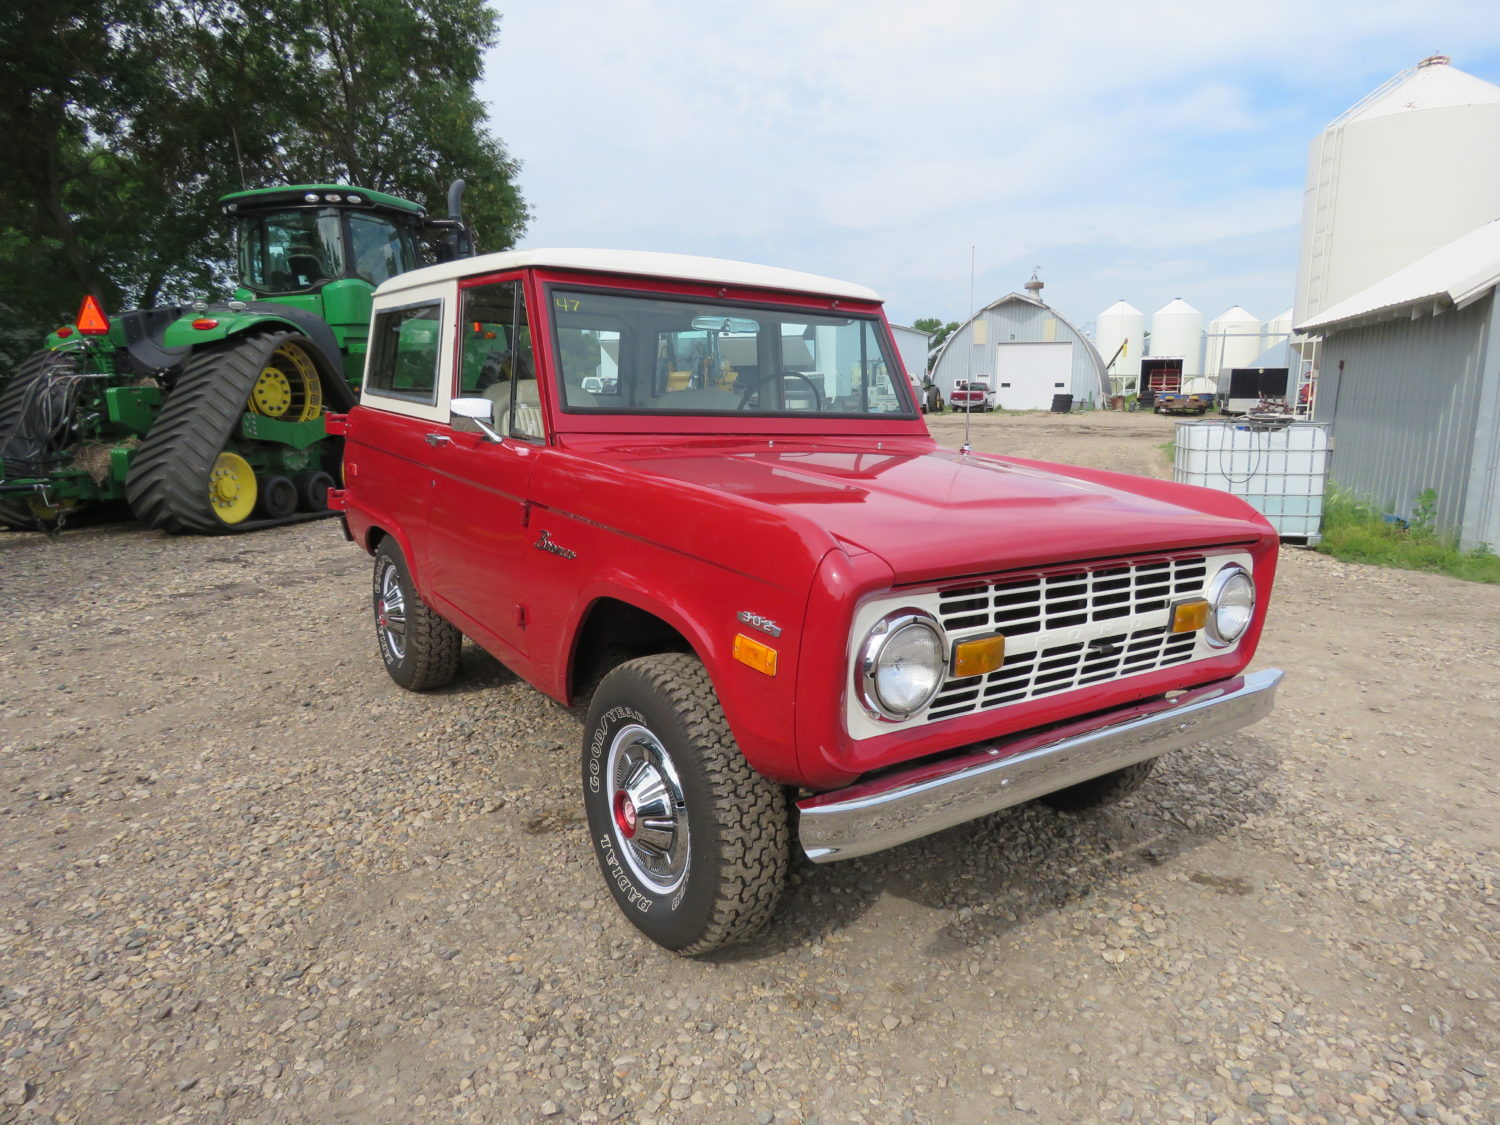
935	513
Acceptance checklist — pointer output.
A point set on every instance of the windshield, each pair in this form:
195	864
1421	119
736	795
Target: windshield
290	251
626	354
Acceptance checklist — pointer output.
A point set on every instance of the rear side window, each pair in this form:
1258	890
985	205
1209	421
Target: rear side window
405	346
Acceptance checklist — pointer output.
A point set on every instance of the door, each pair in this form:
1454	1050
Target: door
478	514
1028	375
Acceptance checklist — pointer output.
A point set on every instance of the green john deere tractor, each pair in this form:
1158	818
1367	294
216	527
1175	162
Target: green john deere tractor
209	418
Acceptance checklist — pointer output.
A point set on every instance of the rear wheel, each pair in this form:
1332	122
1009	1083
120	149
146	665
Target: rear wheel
692	842
419	648
20	446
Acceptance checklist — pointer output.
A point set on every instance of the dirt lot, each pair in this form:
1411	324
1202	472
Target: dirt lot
247	878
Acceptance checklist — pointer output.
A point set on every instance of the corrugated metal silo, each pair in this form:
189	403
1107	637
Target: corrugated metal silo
1276	330
1233	341
1412	167
1177	330
1121	323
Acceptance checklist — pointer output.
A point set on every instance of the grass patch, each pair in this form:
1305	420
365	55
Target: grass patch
1355	531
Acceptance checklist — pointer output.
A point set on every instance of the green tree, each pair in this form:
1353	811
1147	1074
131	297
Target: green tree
939	332
126	119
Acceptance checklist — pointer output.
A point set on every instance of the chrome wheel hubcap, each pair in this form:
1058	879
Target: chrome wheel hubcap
647	809
390	613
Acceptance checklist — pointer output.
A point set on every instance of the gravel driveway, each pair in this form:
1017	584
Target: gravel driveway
247	878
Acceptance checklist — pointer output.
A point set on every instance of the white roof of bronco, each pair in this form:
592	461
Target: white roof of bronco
676	267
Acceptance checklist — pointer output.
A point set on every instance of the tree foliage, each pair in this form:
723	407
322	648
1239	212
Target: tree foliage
127	119
938	330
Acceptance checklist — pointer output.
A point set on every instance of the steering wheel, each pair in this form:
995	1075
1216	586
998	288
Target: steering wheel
754	392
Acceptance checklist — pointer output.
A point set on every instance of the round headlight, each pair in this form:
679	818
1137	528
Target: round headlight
1231	605
901	665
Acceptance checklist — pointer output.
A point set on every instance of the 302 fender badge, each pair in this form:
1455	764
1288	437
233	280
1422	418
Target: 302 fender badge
545	544
756	621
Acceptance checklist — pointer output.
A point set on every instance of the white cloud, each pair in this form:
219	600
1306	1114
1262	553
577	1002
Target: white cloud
881	141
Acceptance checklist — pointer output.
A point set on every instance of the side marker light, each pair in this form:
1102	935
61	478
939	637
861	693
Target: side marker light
752	653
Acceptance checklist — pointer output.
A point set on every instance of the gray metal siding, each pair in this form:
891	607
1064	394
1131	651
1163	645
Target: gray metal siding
1015	320
1403	397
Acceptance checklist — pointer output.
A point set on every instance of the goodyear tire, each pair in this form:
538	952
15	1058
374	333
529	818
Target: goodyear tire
692	842
1101	791
420	650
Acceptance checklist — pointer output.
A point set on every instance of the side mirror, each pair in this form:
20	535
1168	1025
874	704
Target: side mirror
480	411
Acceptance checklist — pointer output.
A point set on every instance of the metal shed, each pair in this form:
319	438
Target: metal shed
912	343
1410	380
1027	350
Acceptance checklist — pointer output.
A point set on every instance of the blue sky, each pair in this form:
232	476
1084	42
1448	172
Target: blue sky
1139	150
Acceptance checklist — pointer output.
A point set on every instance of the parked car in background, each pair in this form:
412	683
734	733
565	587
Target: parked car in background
972	394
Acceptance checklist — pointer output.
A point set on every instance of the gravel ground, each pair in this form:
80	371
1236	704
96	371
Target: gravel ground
247	878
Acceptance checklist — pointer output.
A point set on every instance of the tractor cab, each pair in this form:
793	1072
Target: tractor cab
297	240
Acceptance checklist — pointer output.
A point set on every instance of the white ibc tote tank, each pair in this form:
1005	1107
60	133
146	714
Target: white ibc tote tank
1233	341
1410	168
1177	330
1121	323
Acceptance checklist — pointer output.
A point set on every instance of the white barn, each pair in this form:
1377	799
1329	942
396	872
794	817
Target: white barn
1029	353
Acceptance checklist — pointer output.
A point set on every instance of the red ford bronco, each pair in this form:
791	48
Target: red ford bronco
700	493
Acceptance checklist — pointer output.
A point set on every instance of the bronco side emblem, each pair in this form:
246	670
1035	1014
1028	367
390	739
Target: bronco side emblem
764	624
545	544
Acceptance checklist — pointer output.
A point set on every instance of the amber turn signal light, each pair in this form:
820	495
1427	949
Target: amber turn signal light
1189	617
758	656
977	656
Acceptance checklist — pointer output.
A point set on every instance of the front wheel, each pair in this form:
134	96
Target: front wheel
419	648
692	842
1100	791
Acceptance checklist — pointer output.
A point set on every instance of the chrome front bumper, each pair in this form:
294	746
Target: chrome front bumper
870	816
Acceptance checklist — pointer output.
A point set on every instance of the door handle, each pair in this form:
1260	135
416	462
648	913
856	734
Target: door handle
437	439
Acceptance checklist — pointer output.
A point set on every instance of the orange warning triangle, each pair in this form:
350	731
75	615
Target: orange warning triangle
91	319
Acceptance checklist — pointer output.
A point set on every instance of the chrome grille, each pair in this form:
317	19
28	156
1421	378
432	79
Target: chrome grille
1068	629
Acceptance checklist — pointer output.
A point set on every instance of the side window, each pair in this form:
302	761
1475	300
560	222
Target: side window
378	247
497	360
406	344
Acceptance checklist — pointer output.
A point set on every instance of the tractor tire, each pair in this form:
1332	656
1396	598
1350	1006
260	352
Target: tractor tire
16	511
277	498
1100	791
175	477
13	396
693	843
15	515
420	650
312	490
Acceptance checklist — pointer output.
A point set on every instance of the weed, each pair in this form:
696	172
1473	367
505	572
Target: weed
1355	530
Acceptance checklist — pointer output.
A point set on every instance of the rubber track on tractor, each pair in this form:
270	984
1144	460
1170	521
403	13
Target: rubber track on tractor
168	483
14	510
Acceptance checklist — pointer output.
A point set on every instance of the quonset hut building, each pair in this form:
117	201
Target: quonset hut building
1027	351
